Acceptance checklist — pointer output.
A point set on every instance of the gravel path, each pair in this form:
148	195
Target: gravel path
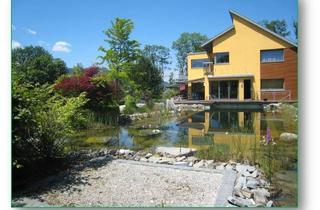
132	183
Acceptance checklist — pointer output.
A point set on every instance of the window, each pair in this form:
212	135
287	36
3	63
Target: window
268	84
271	56
221	58
198	63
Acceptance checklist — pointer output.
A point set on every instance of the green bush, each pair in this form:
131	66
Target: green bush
169	93
41	121
130	103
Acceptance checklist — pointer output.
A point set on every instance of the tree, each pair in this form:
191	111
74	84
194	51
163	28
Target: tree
295	27
277	26
36	65
122	50
171	80
187	43
158	55
147	77
77	69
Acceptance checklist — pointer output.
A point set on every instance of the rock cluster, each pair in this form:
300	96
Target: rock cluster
251	188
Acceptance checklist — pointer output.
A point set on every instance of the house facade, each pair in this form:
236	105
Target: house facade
245	62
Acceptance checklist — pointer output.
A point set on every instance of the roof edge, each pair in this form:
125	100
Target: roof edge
232	12
196	53
216	36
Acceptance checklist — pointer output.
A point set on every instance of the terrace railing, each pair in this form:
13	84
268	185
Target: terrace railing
208	68
275	95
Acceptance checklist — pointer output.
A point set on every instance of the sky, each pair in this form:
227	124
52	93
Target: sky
73	29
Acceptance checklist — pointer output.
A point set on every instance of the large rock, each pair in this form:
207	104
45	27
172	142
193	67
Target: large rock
175	151
260	196
166	160
154	159
252	183
241	168
241	202
125	152
241	182
199	164
220	167
253	174
288	137
209	163
181	158
247	193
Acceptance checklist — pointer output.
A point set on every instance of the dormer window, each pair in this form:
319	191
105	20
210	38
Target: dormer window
221	58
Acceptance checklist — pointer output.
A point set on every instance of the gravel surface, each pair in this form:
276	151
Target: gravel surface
129	183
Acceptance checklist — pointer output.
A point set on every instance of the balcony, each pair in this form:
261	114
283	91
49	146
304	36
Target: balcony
208	68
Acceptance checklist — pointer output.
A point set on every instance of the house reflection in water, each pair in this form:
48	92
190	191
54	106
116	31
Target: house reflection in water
228	133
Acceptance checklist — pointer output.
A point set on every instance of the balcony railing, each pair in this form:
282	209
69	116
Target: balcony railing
275	95
208	68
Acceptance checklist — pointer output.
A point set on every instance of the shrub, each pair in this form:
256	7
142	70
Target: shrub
99	90
130	104
169	93
41	121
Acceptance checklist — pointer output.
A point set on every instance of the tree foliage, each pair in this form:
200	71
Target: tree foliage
187	43
121	54
41	121
158	55
277	26
36	65
122	50
100	90
171	80
147	77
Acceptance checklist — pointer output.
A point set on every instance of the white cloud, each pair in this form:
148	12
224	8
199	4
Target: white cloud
16	44
30	31
61	46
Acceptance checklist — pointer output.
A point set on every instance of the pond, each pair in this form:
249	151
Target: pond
220	135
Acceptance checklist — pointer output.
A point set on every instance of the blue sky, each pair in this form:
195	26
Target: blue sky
72	29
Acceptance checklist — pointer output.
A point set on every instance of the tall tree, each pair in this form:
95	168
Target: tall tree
277	26
36	65
295	27
171	80
122	51
187	43
158	55
147	77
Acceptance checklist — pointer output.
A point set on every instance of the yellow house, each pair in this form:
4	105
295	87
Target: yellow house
245	62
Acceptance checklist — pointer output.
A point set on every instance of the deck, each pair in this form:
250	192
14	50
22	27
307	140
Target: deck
232	104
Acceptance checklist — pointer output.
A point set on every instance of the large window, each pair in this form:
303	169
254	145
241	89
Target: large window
224	89
221	58
198	63
271	56
268	84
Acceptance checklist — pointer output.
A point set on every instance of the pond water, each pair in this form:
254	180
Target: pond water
220	135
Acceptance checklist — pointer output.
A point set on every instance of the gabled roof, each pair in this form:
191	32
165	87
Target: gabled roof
252	22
